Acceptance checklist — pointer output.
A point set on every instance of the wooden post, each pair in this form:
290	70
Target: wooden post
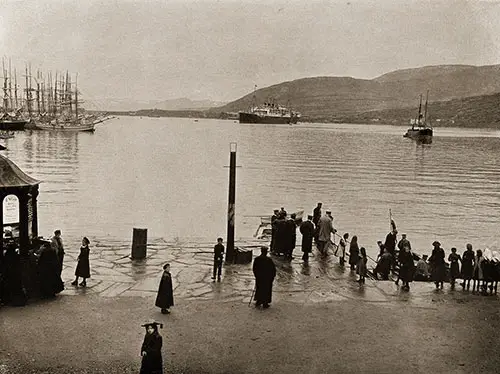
231	204
139	244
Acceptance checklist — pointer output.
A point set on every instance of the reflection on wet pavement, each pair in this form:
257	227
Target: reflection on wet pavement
322	279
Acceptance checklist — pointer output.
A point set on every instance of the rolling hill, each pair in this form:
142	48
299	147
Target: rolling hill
338	98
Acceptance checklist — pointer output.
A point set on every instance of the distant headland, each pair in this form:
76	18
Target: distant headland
460	96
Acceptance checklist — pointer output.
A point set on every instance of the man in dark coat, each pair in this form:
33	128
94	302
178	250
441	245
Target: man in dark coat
218	257
274	217
307	230
280	237
390	245
49	272
165	296
152	362
57	246
315	220
290	237
264	271
13	290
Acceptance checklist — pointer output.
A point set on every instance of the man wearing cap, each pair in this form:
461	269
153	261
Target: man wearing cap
404	243
307	230
264	271
57	246
290	237
274	217
325	225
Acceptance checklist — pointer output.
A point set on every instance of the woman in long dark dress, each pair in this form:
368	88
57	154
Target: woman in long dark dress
467	266
83	265
165	297
48	272
152	362
438	264
354	252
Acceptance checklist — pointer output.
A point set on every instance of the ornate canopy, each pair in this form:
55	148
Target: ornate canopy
11	176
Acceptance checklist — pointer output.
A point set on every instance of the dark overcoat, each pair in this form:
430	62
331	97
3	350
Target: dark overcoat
407	268
280	235
83	265
264	271
152	362
165	296
467	264
438	265
291	234
48	273
353	253
307	230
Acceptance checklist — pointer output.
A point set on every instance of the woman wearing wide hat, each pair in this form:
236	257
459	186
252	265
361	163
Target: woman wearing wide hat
152	362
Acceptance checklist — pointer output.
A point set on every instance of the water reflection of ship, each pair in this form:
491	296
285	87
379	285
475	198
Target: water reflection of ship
43	145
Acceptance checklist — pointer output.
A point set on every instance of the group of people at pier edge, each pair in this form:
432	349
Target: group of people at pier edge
395	257
45	263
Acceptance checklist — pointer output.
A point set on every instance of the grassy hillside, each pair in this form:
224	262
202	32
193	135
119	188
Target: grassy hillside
334	98
478	111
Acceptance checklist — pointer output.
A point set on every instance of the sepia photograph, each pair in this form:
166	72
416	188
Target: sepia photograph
249	186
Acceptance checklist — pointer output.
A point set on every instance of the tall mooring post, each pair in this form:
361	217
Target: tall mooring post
231	204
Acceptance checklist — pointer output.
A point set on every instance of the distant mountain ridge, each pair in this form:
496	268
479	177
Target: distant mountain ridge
114	104
334	98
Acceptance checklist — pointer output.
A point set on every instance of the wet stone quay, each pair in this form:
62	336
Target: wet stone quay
114	274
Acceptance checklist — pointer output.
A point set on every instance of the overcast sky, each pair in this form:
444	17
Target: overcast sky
219	49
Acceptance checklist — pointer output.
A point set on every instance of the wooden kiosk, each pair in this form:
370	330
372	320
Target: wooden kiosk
23	234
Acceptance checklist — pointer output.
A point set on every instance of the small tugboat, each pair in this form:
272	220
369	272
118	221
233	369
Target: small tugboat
421	129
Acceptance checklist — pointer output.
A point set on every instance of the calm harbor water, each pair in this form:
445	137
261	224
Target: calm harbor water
168	175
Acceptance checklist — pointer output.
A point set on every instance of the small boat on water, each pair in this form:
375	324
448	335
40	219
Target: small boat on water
264	229
421	129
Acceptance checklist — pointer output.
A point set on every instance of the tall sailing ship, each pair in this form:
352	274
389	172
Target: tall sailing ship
60	110
11	116
421	128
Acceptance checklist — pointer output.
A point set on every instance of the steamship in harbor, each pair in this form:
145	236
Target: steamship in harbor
269	113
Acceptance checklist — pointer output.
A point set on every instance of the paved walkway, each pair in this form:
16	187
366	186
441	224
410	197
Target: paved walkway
115	274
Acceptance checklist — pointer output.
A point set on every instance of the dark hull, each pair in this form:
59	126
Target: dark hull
423	135
254	118
15	125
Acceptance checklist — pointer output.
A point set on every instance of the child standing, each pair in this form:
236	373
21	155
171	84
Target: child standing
362	265
152	362
341	248
83	265
165	296
453	258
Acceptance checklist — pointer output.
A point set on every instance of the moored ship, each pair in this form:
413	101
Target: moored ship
421	129
269	113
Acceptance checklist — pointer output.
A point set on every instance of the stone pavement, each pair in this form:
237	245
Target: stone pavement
113	274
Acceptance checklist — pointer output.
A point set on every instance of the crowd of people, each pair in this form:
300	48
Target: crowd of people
395	257
41	274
